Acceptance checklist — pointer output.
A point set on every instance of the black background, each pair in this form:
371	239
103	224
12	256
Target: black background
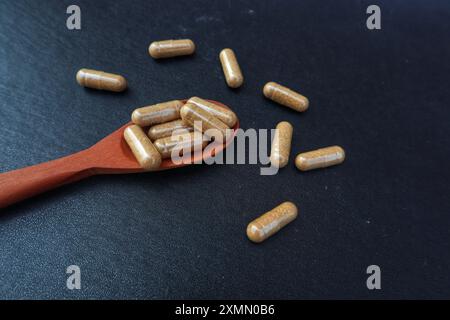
382	95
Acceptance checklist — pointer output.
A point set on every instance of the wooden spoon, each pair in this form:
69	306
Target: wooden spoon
110	155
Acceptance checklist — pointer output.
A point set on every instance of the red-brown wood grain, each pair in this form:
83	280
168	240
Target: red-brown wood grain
110	155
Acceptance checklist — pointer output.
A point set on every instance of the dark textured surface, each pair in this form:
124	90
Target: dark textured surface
382	95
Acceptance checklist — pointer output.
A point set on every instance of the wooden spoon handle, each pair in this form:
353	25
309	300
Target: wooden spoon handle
24	183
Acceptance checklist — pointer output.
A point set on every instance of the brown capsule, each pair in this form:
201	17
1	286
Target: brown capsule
171	48
202	120
223	114
142	148
158	113
320	158
281	145
166	129
100	80
231	69
187	141
271	222
285	97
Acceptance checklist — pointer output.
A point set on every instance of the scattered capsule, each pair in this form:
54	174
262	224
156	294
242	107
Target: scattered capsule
187	141
142	147
223	114
271	222
166	129
100	80
158	113
202	120
285	96
230	66
281	145
171	48
320	158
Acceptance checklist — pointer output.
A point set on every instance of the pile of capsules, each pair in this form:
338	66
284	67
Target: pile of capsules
171	129
173	124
